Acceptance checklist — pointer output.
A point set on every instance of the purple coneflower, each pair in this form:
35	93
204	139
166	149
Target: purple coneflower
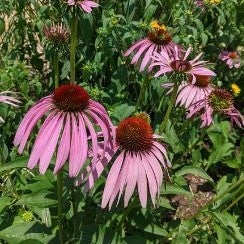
71	119
189	93
140	160
158	39
175	63
56	33
85	5
200	4
5	98
218	101
232	59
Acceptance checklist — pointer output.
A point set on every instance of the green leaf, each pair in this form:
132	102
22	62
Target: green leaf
123	111
229	223
20	162
195	171
36	199
176	190
4	202
181	235
156	230
21	231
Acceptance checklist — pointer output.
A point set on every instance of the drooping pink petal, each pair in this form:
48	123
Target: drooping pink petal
111	179
152	183
64	146
131	179
142	185
135	46
50	146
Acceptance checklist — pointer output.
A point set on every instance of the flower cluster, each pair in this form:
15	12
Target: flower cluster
195	91
76	131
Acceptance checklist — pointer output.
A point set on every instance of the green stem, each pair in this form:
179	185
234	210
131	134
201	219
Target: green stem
60	205
170	107
74	24
56	69
235	201
75	210
141	98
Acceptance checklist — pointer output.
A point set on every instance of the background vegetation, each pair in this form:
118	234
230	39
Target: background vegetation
204	202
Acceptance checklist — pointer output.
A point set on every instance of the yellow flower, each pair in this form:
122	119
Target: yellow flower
212	1
157	26
27	216
235	88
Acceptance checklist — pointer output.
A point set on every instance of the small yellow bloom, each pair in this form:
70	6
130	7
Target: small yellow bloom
157	26
27	216
212	1
235	88
143	115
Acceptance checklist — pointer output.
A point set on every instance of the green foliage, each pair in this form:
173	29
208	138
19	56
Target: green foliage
215	155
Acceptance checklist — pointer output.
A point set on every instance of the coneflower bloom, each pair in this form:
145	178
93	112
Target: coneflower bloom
218	101
178	64
200	4
86	5
56	33
189	93
232	59
69	126
139	161
158	39
7	99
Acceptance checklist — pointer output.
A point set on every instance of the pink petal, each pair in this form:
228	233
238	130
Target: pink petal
135	46
64	146
152	183
142	184
147	57
94	140
50	146
140	51
131	179
111	179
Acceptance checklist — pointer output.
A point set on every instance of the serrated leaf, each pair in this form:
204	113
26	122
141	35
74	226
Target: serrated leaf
195	171
20	162
229	223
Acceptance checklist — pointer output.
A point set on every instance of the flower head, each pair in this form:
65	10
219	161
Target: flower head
56	33
5	98
158	38
86	5
69	126
218	101
189	93
176	63
139	161
232	59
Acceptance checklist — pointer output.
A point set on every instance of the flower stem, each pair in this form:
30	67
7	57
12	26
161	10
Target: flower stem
142	92
74	24
75	210
60	205
170	107
56	69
